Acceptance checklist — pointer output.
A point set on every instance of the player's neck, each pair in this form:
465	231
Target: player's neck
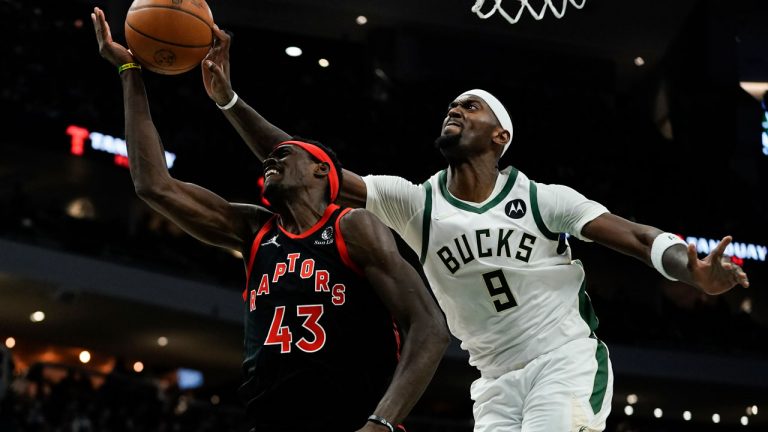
473	182
298	216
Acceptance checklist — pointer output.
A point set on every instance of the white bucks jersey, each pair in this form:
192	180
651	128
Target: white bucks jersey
501	274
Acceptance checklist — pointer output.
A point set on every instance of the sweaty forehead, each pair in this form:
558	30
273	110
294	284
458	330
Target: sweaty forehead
470	98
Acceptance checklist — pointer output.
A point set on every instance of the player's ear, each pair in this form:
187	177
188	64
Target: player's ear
322	169
500	136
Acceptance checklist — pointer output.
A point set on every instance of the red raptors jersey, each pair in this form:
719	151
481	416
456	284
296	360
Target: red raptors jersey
320	346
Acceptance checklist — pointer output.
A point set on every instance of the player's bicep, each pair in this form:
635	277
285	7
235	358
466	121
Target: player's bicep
373	248
204	214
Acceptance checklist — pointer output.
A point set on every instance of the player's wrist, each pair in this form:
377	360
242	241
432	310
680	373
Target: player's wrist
382	422
230	102
130	76
128	66
661	243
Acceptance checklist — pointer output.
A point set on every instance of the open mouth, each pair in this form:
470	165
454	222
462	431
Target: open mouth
269	172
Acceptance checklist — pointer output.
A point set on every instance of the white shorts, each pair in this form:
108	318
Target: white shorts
565	390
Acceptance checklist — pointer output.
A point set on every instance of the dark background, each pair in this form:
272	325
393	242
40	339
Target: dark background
674	143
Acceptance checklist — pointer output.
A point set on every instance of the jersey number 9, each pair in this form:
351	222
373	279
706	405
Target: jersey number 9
498	287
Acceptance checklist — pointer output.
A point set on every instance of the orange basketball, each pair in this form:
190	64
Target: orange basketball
169	36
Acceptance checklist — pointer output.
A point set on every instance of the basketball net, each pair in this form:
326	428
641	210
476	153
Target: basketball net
525	5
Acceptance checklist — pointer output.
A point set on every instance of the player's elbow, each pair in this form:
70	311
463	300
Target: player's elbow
438	334
444	336
151	192
145	191
435	328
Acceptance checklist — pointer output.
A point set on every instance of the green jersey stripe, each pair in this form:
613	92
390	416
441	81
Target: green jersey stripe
601	378
427	222
443	182
537	214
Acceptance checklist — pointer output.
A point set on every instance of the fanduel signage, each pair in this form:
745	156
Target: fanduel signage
765	131
747	251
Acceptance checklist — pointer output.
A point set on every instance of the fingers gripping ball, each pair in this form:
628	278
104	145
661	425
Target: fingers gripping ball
169	36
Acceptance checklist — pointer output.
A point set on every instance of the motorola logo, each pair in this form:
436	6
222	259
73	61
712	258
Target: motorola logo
515	209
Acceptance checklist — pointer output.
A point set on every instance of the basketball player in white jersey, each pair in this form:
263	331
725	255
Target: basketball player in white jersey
492	243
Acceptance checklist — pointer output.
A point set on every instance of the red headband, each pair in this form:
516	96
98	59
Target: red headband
322	156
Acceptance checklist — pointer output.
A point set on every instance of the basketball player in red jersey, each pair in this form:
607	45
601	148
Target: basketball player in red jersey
327	291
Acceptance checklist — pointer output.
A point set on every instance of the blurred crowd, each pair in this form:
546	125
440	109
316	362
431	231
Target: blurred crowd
76	400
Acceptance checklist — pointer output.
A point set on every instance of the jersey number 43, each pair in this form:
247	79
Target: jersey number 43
282	335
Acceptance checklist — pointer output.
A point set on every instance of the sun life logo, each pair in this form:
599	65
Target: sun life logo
326	236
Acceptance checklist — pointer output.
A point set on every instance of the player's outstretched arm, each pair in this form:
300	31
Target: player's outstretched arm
198	211
372	247
714	274
259	134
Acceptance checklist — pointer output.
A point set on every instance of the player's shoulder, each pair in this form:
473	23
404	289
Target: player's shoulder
541	188
555	189
557	197
546	193
361	227
355	219
390	181
435	177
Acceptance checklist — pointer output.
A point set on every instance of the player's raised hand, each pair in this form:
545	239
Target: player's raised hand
215	68
715	274
108	48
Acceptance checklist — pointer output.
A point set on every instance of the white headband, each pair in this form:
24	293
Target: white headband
498	110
